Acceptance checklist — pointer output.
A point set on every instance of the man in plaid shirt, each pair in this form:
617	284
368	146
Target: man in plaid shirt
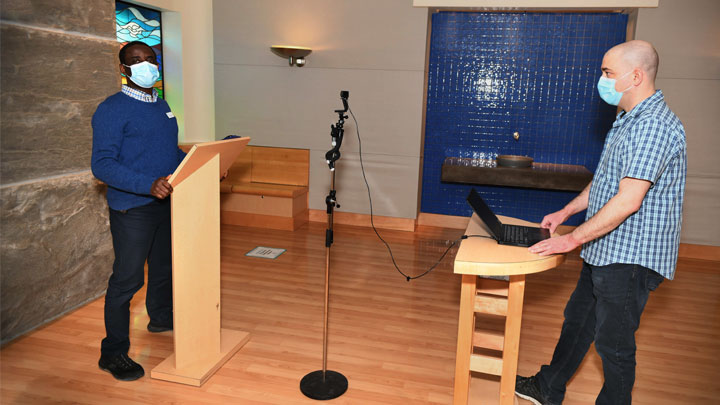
631	234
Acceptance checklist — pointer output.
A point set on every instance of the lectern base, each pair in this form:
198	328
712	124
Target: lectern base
230	342
332	386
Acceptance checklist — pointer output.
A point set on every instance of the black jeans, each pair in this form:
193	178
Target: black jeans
605	308
138	234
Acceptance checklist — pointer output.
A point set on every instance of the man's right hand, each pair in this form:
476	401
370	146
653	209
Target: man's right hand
161	188
552	221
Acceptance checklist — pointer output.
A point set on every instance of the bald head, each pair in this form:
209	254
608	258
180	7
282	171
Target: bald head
638	54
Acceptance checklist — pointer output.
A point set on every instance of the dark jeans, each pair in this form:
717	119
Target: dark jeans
138	234
605	308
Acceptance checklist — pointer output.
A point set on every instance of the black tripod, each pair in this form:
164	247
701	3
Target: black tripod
327	384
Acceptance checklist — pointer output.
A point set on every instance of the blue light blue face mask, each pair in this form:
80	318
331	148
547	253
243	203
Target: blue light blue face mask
144	74
606	88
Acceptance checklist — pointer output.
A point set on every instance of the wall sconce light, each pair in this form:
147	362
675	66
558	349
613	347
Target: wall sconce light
295	54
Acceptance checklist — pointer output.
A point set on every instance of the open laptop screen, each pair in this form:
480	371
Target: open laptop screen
485	213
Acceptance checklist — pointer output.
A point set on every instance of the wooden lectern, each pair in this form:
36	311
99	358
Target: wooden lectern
201	345
477	259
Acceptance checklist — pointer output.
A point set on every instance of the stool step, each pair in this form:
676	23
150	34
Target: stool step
491	286
491	304
486	364
488	339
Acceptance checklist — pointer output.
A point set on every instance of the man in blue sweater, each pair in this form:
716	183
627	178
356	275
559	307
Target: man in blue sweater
135	138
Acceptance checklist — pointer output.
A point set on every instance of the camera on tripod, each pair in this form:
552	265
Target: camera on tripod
337	132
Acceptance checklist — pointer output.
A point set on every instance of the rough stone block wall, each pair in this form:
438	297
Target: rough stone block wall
58	61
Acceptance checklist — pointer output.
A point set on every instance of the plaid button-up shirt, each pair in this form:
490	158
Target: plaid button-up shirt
648	143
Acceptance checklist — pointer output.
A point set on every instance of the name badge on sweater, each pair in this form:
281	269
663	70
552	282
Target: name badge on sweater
170	114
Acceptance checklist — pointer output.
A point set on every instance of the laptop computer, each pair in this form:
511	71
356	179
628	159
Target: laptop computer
515	235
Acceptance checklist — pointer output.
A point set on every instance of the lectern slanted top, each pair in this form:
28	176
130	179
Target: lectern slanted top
201	153
201	345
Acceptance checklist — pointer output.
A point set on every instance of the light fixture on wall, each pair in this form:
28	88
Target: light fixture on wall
295	54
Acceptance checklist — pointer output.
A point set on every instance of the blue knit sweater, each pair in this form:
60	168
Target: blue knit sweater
134	143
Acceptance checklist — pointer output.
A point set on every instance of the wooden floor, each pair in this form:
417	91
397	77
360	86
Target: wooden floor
393	340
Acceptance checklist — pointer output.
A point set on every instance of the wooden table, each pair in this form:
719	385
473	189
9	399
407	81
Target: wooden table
477	259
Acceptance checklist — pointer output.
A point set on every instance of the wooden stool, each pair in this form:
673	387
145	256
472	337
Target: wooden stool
484	257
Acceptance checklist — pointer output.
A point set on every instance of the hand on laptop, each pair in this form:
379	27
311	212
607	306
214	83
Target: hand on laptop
557	244
552	221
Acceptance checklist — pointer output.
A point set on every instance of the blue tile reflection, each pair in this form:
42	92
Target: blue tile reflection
492	74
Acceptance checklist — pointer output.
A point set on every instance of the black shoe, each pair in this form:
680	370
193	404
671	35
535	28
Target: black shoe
121	367
529	388
158	327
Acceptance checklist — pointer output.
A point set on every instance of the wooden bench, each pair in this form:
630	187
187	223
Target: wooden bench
266	187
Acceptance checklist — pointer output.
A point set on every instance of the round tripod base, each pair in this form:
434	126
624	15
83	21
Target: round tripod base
314	386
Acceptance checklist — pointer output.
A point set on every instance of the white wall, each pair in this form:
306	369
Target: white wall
376	49
373	48
686	34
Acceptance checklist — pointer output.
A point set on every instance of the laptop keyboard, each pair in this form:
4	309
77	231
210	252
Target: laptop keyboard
517	234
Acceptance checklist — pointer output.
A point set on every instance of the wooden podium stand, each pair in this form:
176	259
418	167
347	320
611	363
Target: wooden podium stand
476	259
201	345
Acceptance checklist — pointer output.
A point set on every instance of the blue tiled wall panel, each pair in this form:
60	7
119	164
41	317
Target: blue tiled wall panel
492	74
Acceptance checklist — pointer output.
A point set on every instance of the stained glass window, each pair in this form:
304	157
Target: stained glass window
137	23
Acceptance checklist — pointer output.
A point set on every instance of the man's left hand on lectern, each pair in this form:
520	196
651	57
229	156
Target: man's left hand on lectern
557	244
161	188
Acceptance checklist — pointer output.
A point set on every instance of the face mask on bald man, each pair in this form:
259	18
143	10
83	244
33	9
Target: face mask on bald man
606	88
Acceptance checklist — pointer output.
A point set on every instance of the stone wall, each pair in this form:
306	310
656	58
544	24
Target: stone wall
58	62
